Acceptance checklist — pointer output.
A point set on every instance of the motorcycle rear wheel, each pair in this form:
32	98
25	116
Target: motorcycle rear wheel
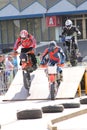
73	58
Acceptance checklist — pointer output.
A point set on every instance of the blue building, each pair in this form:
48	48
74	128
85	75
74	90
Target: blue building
42	18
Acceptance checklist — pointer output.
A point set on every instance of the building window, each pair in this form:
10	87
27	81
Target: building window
16	28
52	33
86	28
38	29
80	27
30	26
4	32
10	31
44	30
23	24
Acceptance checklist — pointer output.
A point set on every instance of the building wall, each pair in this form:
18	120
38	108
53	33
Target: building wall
31	15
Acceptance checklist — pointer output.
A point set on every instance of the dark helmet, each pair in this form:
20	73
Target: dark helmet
52	45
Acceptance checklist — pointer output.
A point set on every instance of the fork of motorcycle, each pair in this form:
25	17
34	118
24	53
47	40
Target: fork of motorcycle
52	78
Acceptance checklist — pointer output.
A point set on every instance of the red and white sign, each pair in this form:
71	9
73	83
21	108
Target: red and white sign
53	21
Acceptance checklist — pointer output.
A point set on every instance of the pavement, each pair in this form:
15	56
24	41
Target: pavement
8	118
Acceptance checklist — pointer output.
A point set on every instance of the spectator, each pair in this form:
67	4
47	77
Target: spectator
9	70
2	59
2	74
38	57
15	63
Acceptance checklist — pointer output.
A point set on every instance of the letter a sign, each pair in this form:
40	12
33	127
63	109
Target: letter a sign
52	21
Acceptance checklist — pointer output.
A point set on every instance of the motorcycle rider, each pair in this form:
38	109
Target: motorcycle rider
27	42
55	55
69	30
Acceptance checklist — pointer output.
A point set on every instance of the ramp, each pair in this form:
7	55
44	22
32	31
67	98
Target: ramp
16	90
39	87
72	78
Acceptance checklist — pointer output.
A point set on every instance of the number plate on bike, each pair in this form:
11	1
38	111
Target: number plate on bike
68	38
52	69
23	60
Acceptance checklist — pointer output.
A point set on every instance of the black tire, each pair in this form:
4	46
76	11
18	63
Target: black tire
73	58
67	54
83	101
52	91
52	109
29	114
71	105
26	80
73	62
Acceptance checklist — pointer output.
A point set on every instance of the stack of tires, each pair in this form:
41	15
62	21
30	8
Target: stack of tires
37	113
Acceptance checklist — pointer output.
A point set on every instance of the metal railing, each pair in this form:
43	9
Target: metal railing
6	78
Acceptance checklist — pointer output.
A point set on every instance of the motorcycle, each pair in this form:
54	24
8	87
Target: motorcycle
69	49
53	78
26	64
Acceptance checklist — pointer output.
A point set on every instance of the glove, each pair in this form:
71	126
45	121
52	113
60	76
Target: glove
62	62
52	63
43	62
79	33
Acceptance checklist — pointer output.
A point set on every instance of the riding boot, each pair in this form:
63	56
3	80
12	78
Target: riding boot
34	66
61	76
77	51
76	48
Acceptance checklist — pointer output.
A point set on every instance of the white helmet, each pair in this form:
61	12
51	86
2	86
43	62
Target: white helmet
68	23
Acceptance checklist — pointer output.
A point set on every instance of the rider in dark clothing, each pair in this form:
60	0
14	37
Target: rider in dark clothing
69	30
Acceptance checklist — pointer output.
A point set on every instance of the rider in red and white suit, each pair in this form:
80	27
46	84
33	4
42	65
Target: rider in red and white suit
27	42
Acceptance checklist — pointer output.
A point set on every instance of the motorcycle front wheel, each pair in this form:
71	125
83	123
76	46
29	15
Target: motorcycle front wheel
26	79
52	91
